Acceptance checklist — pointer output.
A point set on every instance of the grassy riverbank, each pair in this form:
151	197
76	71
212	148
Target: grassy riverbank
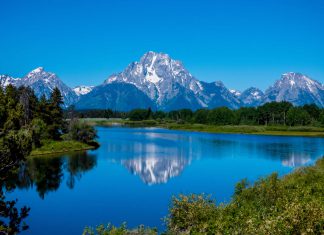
52	147
241	129
258	130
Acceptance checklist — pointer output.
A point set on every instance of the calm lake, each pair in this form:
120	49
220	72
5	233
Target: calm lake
135	172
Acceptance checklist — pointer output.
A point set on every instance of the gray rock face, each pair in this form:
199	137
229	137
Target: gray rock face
297	89
42	82
252	97
170	85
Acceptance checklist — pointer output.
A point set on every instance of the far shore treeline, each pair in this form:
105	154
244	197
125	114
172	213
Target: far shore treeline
273	113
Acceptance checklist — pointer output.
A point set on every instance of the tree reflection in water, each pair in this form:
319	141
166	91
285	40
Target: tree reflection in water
47	173
77	165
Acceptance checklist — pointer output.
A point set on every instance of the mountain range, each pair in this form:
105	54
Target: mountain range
160	82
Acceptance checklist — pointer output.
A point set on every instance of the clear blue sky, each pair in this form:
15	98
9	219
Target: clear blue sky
243	43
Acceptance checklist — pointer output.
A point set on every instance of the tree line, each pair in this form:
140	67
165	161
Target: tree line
273	113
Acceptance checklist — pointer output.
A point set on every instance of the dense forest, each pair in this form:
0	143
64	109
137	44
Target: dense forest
27	123
274	113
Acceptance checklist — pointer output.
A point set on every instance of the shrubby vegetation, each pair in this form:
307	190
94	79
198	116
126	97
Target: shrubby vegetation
291	205
26	123
122	230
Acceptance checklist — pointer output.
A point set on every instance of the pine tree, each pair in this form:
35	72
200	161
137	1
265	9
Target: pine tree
56	114
3	113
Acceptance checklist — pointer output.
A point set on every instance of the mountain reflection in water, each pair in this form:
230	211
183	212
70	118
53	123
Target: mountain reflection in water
157	156
155	170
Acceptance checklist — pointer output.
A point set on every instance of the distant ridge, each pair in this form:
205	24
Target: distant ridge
160	82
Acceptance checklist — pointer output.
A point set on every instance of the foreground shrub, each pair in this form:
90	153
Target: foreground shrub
292	205
122	230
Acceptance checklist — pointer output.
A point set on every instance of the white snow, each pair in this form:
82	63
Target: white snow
235	92
37	70
82	90
151	74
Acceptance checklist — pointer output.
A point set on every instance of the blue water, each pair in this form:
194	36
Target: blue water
135	172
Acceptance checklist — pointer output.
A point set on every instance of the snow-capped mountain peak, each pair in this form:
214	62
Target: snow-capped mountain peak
159	77
298	79
37	70
296	88
42	82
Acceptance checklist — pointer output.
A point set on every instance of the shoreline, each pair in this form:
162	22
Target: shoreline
300	131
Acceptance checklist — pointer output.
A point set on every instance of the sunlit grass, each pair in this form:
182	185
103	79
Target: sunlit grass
50	147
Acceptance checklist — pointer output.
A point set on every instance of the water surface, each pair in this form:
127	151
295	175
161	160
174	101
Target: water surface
135	172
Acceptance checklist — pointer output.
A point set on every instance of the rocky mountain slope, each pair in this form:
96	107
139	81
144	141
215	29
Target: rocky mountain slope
42	82
296	88
171	86
160	82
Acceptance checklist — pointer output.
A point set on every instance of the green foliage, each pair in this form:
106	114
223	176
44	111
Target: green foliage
191	214
38	128
14	147
51	146
321	117
246	116
298	116
312	110
140	114
56	123
81	131
122	230
269	114
292	205
25	122
273	113
201	116
221	116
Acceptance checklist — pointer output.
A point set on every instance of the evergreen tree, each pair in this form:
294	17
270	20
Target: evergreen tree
3	113
56	114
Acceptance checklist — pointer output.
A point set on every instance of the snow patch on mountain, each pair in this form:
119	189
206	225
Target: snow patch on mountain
237	93
5	80
252	97
82	90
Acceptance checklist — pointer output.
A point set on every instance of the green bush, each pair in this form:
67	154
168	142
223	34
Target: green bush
122	230
292	205
81	131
